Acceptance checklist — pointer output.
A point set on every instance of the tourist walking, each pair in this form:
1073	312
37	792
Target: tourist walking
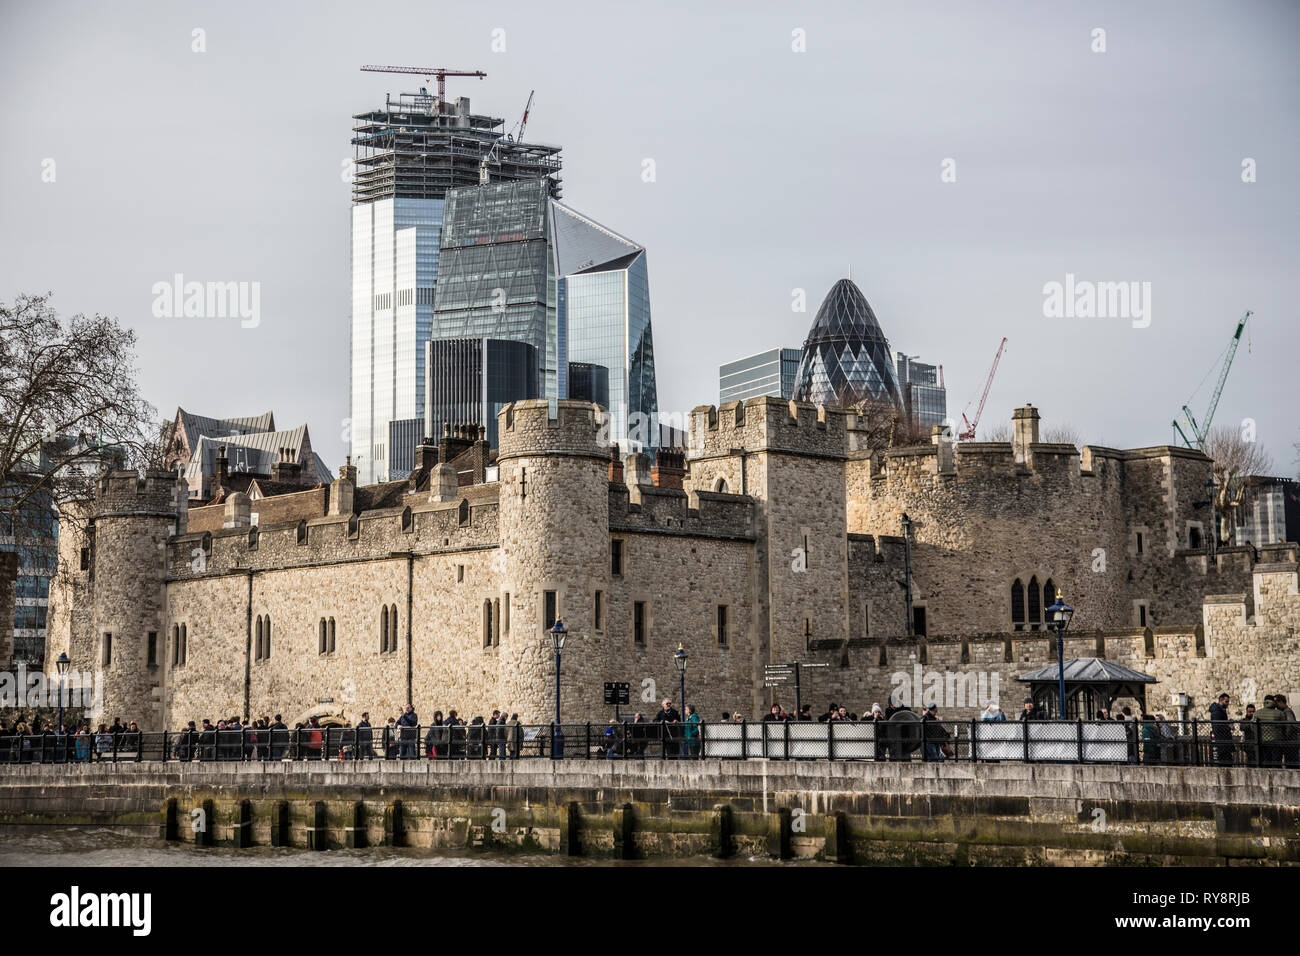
1221	730
935	736
691	730
407	725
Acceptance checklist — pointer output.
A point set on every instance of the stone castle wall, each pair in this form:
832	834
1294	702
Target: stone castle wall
781	520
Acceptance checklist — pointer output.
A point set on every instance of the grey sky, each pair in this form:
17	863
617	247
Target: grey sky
774	170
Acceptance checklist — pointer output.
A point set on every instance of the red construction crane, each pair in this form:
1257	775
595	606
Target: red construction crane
440	72
969	432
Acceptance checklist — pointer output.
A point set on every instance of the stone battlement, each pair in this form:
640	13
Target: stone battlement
528	428
129	492
769	424
420	526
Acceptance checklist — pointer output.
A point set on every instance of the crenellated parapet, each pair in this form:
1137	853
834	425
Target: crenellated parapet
538	426
769	424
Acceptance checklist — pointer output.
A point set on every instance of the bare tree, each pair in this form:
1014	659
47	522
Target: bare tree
1062	434
882	425
68	405
1000	432
1235	461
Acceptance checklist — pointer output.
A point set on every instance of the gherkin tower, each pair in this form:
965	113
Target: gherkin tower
846	357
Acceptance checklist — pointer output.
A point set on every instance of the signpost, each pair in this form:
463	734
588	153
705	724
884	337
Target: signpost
776	675
616	693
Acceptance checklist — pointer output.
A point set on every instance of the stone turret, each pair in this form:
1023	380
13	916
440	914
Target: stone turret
554	531
132	517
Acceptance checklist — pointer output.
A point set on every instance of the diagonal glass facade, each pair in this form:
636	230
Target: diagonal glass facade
516	265
846	358
497	274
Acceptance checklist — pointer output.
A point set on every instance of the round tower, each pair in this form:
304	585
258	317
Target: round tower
133	517
554	530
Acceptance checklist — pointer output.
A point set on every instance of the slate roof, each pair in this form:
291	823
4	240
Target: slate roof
1089	670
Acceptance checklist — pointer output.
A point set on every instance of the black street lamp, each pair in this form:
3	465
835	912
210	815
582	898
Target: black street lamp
558	633
679	658
62	663
1058	619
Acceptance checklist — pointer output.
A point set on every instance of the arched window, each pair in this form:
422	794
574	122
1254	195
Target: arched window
1035	604
252	538
487	623
207	543
176	644
257	640
1018	605
302	531
354	526
463	512
408	523
1049	598
324	636
496	621
720	486
266	638
331	644
392	628
383	630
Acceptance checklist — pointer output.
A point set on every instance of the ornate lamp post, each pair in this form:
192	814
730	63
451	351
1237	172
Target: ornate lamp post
62	663
558	633
1059	615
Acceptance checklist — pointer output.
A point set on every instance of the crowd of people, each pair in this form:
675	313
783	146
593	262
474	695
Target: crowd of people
1267	736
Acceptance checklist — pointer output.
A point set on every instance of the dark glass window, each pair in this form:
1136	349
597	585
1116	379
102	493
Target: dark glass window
638	622
722	625
550	612
1035	604
616	557
1018	605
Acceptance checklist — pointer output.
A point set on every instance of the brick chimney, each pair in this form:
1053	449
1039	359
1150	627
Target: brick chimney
615	465
669	469
286	469
456	439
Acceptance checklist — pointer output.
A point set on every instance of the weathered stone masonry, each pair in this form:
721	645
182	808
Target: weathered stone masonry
777	539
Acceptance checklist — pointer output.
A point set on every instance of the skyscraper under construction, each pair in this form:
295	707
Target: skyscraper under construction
407	155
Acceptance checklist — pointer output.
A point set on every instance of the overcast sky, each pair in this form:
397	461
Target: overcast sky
774	170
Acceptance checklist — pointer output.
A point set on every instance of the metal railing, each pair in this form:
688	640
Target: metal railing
1191	743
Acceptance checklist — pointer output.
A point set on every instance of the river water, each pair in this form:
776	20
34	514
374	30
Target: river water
104	847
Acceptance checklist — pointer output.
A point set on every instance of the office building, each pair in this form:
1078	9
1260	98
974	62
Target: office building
471	380
846	359
408	155
767	373
925	399
517	265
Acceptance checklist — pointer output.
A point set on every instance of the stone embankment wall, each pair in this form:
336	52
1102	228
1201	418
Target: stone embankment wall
1009	814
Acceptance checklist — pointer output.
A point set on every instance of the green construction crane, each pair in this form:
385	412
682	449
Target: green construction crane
1202	430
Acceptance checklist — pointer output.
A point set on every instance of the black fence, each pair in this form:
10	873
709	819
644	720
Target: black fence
1193	743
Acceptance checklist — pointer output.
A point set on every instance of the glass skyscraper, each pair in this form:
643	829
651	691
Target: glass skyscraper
471	380
846	358
408	156
517	265
767	373
924	398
